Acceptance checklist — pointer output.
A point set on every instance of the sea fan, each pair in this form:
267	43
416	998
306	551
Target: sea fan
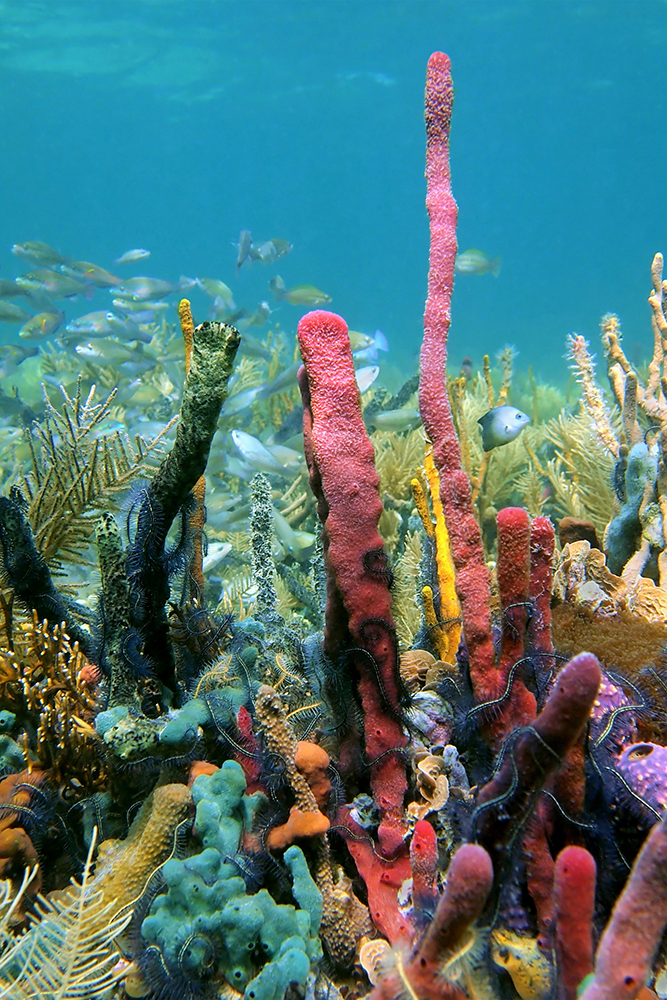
77	471
67	952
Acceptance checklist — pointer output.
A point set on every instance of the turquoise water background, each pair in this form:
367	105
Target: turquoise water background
174	125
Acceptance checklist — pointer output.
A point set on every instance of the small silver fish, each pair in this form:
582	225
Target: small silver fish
477	262
396	420
501	425
366	376
131	255
270	251
40	253
55	283
255	453
83	270
41	325
244	247
241	401
254	348
370	352
284	531
142	288
11	313
104	350
216	552
94	324
9	288
300	295
215	289
13	355
256	318
287	457
130	306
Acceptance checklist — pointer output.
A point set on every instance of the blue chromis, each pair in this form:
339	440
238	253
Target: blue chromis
477	262
501	425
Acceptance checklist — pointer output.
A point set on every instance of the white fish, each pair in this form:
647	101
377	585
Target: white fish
104	350
287	457
366	376
215	289
370	351
255	453
131	255
285	531
215	554
241	401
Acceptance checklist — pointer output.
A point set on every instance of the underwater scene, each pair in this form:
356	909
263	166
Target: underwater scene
333	627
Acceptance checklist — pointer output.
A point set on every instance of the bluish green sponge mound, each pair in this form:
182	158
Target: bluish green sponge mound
206	926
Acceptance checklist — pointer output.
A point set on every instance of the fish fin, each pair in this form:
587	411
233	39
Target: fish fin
381	342
496	264
278	287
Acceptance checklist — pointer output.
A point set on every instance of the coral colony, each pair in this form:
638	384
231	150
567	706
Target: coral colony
457	789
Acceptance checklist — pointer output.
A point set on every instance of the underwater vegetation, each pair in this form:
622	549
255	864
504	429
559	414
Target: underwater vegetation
359	708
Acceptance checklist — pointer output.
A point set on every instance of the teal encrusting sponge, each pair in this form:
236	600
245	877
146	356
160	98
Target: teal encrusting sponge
206	926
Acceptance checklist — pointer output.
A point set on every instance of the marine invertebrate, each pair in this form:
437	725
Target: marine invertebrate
42	679
358	614
472	578
305	818
630	941
68	949
445	627
76	472
204	391
574	904
206	926
505	802
448	936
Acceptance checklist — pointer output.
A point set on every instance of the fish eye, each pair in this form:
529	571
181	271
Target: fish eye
517	416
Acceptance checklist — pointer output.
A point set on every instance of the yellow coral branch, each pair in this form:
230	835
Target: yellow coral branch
449	604
187	329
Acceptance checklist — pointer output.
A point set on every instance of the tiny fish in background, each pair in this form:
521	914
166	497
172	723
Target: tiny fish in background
9	288
300	295
270	251
366	376
255	453
56	284
501	425
477	262
41	325
216	289
13	355
40	253
396	420
83	270
370	351
11	313
257	318
131	255
244	247
142	288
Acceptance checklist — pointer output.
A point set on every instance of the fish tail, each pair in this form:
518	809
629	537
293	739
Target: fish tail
496	264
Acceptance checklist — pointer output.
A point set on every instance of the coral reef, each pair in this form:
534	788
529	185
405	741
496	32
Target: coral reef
368	724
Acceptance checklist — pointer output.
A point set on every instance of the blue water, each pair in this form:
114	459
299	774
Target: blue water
174	125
